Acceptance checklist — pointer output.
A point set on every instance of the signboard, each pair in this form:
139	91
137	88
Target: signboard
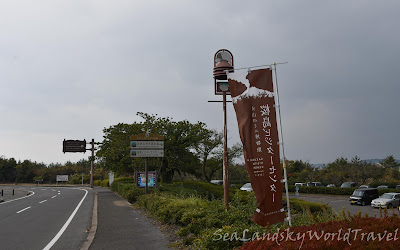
147	153
141	179
110	177
147	145
62	178
147	137
254	103
74	146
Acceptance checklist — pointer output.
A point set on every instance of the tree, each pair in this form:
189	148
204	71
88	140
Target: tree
115	150
180	140
7	170
208	146
390	162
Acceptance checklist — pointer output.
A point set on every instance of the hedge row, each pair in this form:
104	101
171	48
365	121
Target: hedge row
103	183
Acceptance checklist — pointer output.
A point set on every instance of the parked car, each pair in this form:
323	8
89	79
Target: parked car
314	184
299	184
387	200
382	186
364	186
348	184
247	187
330	185
217	182
398	187
363	196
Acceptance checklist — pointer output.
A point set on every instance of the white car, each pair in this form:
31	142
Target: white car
387	200
247	187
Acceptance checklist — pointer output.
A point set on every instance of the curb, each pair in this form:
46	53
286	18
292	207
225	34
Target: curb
93	228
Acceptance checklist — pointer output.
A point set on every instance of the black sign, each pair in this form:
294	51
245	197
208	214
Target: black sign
74	146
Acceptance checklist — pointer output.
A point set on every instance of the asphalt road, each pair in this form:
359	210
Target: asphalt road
338	202
50	217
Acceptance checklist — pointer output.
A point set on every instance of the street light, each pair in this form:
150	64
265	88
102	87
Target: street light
223	62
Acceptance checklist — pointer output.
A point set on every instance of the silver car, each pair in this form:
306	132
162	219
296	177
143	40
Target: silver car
387	200
247	187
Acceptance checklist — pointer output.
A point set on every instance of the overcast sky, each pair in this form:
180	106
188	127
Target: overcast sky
70	68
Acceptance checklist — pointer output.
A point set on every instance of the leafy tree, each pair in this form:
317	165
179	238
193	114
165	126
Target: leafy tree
7	170
208	146
180	140
390	162
114	150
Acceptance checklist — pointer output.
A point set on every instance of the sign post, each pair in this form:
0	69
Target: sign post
147	145
76	146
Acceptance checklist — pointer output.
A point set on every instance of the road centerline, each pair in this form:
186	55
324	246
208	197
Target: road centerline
20	211
42	201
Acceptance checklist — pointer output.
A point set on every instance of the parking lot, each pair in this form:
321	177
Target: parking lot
337	202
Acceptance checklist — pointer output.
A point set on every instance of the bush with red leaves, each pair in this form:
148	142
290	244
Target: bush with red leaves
355	232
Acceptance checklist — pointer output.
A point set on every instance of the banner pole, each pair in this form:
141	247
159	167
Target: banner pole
283	149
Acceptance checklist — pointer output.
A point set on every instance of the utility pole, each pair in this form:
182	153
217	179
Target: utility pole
91	165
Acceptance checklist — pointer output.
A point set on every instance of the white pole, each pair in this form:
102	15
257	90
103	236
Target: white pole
283	149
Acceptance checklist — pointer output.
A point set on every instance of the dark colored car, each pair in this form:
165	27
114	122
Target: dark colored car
363	196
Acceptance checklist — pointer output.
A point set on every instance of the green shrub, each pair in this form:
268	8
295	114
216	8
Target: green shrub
104	183
97	182
196	188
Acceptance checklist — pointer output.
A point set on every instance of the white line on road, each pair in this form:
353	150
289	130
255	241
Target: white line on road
23	210
31	193
58	235
42	201
54	196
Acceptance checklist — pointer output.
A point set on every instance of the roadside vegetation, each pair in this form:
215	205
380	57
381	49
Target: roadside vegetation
197	210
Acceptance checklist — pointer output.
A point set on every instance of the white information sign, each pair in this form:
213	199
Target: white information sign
147	144
62	177
147	153
110	177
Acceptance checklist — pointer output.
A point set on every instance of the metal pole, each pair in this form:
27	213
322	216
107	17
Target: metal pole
283	149
91	165
225	158
147	173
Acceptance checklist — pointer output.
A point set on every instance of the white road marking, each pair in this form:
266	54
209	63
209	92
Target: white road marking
54	196
42	201
62	230
23	210
31	193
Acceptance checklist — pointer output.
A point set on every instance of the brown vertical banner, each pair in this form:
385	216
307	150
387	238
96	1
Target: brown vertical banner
253	99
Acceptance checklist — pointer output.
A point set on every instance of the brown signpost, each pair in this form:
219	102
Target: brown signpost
77	146
147	145
74	146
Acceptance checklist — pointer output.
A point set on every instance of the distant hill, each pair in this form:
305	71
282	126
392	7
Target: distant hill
372	161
